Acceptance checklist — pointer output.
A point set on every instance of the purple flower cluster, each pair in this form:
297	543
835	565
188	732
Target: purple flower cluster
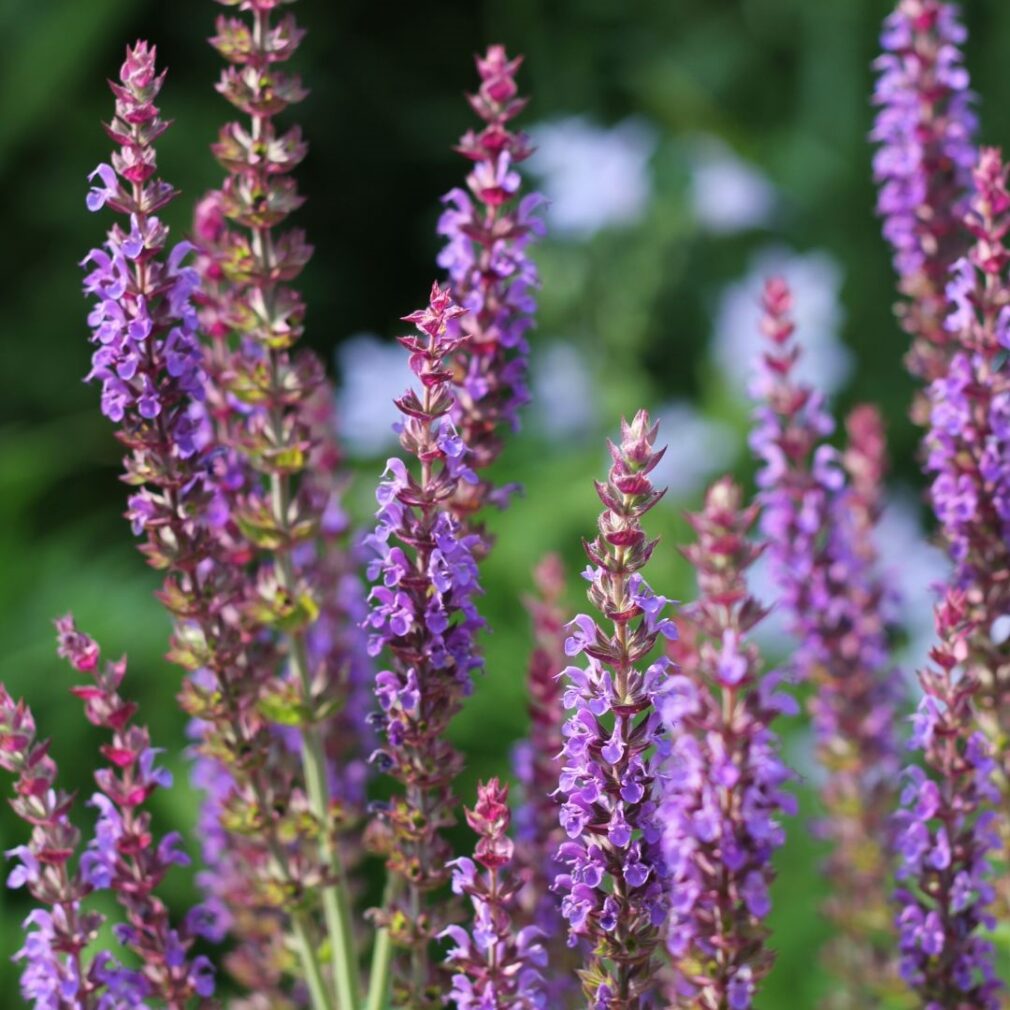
945	834
926	128
722	777
423	613
612	888
124	856
488	231
147	356
495	966
968	441
820	512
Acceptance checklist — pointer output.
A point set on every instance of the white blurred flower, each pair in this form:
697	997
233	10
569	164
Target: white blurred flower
373	372
913	567
564	395
698	449
594	177
727	194
816	281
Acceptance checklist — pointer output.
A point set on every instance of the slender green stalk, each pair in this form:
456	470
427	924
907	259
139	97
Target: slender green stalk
378	982
336	904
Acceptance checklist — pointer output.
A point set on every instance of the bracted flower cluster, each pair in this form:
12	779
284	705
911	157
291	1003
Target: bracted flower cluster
203	524
722	777
423	613
926	131
124	856
54	972
488	231
945	833
968	441
820	513
143	324
495	966
612	888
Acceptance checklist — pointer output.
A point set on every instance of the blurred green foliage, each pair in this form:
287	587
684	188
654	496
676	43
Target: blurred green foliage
784	82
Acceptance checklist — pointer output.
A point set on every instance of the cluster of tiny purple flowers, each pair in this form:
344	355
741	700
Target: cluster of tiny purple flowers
653	789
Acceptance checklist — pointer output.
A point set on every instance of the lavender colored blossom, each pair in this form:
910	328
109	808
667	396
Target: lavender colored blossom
946	833
488	228
968	443
612	885
495	966
143	325
594	177
722	778
423	614
374	372
565	395
727	194
925	128
820	511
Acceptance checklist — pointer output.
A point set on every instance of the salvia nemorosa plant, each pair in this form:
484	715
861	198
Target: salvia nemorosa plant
925	129
652	789
945	832
723	781
820	508
488	227
612	884
61	966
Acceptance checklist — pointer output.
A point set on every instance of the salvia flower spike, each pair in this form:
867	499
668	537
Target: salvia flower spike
423	612
820	509
722	778
946	833
612	884
968	441
488	227
925	128
495	965
154	386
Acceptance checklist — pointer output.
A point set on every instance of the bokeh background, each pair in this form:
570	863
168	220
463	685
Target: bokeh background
688	148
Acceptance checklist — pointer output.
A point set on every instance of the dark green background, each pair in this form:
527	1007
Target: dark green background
784	82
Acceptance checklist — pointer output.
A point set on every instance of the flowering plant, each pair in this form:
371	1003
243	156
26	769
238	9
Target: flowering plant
322	665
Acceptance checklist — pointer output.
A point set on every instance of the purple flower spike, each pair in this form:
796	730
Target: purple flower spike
968	445
926	129
488	231
945	834
495	965
612	887
423	613
722	778
820	513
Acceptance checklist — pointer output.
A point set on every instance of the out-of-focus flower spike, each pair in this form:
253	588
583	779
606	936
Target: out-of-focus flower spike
722	778
820	510
925	129
534	762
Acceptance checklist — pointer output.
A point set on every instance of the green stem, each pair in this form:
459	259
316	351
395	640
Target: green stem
336	904
382	956
318	992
